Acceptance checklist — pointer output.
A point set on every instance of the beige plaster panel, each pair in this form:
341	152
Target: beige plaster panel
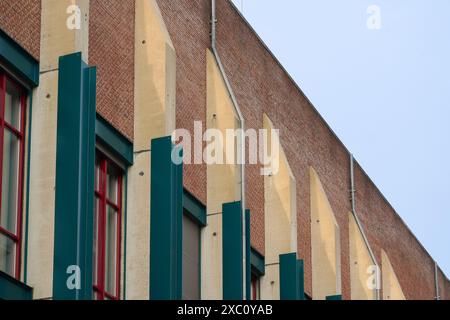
360	264
280	213
58	40
222	181
42	186
325	243
391	287
155	82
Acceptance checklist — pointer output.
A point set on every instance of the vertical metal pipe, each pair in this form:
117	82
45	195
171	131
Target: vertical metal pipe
358	223
436	281
242	125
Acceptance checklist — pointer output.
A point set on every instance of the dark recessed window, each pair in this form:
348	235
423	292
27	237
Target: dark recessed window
191	258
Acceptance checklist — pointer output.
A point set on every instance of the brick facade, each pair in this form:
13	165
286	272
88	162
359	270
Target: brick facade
111	49
261	85
21	20
188	25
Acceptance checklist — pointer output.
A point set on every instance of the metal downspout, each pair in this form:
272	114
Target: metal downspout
358	223
436	281
242	125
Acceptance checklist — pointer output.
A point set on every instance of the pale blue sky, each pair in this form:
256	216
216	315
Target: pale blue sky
386	93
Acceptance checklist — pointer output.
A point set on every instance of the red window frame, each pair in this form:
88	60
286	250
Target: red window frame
20	134
100	292
255	289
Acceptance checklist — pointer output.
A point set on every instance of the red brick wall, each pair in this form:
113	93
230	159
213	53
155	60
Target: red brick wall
188	25
444	286
446	291
262	86
111	49
21	20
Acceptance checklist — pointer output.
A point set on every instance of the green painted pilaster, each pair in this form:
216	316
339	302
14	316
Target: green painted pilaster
166	229
232	251
336	297
74	194
291	277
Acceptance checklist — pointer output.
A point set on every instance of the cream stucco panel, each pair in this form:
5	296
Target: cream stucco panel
211	259
56	38
391	287
280	214
360	264
154	117
222	181
155	76
42	187
325	243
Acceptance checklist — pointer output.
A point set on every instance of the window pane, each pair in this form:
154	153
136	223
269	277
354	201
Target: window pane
97	174
12	105
7	255
10	181
95	249
112	182
110	251
191	259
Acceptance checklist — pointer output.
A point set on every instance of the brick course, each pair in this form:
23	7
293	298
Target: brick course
111	50
188	25
21	20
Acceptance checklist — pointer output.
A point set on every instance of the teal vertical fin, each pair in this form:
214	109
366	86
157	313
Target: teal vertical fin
166	233
291	277
74	193
232	252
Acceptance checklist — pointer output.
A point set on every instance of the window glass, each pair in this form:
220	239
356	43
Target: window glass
10	176
191	259
106	249
12	105
7	255
111	251
255	288
97	174
111	184
95	250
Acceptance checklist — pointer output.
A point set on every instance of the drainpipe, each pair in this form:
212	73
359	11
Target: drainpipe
358	223
436	281
242	127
